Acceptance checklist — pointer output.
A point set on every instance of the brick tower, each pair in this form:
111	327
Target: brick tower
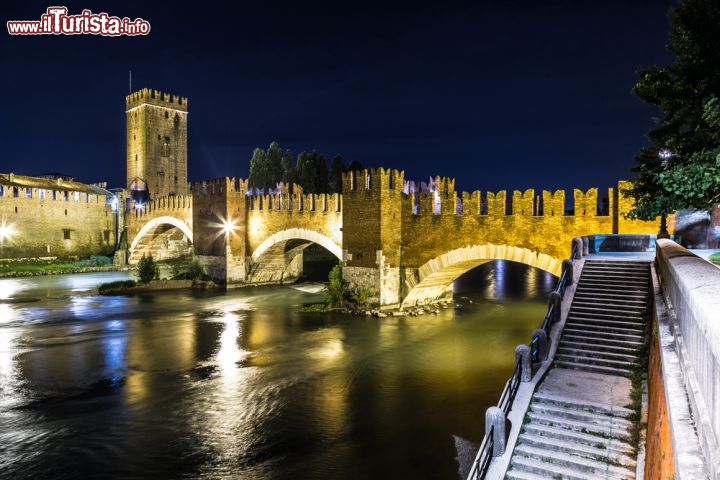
156	143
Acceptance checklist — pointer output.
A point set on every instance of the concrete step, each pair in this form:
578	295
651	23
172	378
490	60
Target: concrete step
564	436
616	273
619	295
595	362
580	319
605	335
620	301
587	352
597	311
599	346
594	451
593	407
592	329
582	337
539	469
624	263
576	463
577	414
611	287
619	278
603	303
588	367
616	289
520	475
537	418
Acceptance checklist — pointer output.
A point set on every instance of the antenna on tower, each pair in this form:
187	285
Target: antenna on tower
130	84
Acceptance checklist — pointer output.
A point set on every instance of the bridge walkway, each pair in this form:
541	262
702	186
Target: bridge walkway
578	425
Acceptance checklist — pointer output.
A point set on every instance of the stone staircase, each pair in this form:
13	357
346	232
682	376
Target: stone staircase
607	321
577	426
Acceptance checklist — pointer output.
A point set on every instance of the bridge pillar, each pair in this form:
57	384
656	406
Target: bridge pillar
219	228
372	204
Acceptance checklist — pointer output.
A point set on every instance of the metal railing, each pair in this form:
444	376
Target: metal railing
484	459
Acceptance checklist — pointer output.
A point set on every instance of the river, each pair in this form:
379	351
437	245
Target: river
238	384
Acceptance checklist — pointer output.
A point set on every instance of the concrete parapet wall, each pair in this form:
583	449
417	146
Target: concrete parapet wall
691	285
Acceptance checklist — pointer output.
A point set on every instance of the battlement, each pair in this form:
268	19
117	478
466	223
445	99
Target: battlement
374	179
219	186
156	97
297	202
439	198
166	203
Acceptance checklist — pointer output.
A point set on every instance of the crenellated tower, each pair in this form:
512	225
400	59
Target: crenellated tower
156	143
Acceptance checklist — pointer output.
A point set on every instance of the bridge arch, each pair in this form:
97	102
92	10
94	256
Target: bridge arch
151	227
435	276
279	259
297	234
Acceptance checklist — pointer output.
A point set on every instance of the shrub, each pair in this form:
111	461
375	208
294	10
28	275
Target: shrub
715	258
147	269
337	288
120	284
363	296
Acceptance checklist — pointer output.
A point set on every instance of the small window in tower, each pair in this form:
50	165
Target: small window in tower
66	234
16	192
29	192
166	147
133	137
158	136
106	235
177	120
167	115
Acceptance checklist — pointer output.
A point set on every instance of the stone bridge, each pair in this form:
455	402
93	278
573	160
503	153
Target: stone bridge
162	227
401	242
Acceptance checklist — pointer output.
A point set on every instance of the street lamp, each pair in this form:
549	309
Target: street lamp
228	226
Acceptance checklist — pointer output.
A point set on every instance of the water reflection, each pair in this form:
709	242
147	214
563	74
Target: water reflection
238	384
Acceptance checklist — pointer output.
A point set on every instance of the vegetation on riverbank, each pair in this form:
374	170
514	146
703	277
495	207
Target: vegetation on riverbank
715	258
55	267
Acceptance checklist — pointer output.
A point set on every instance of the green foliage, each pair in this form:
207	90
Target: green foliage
314	308
715	258
104	288
337	168
191	271
336	292
362	296
688	132
312	173
259	171
147	269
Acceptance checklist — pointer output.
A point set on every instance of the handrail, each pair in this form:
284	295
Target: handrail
481	466
507	397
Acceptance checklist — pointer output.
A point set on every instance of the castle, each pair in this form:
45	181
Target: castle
156	144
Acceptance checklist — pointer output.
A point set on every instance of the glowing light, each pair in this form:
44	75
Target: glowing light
228	226
665	154
139	206
6	231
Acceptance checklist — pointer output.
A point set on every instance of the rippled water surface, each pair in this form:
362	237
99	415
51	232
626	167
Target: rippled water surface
238	384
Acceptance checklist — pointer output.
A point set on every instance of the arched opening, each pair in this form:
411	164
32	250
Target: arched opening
291	255
434	279
164	238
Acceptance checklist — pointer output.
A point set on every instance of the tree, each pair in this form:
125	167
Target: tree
336	292
288	170
681	169
354	166
259	175
337	168
147	269
312	174
273	157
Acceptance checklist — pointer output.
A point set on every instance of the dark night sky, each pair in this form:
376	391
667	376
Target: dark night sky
497	94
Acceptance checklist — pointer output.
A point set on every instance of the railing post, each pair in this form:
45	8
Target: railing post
522	355
586	246
578	245
542	343
567	268
555	299
495	420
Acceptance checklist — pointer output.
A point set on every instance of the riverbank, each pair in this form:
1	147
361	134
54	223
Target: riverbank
37	269
127	287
